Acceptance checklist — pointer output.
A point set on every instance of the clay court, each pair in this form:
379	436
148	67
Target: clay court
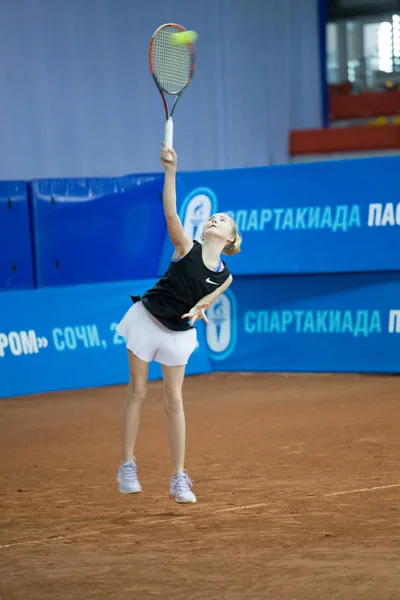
296	476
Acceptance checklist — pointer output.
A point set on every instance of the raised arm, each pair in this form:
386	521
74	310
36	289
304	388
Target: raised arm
182	243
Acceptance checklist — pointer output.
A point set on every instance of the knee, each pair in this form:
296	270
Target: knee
173	403
136	393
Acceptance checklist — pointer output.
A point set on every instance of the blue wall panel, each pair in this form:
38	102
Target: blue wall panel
97	230
335	323
64	338
16	264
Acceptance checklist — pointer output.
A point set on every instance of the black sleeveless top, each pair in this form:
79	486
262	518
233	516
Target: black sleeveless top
185	282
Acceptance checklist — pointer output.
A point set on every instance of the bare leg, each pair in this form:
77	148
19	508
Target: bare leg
135	396
180	481
173	383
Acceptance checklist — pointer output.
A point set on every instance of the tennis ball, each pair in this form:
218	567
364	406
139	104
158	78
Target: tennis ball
184	37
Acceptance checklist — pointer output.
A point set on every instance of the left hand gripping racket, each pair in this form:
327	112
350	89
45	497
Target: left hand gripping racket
172	67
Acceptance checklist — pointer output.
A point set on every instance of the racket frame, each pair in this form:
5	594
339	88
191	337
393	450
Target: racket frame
169	124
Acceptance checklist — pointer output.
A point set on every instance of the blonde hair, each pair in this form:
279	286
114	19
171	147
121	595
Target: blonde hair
234	246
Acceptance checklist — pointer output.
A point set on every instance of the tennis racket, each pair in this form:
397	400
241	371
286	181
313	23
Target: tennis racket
172	67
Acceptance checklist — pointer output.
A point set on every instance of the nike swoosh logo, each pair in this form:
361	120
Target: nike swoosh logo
208	280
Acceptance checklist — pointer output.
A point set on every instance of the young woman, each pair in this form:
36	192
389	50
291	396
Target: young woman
159	327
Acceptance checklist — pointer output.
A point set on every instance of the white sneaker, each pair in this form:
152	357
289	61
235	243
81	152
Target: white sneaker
180	488
128	479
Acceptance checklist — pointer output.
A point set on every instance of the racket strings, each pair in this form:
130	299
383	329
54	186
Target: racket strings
172	64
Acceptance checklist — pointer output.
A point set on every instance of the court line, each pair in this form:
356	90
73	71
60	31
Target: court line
181	519
360	490
171	520
139	521
244	507
60	538
56	538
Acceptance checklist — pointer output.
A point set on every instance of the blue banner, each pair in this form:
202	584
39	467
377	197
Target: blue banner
329	217
16	263
65	338
97	230
325	323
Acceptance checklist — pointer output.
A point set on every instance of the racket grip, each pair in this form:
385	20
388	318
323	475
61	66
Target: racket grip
169	134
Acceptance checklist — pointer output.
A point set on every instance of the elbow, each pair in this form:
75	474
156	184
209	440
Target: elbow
170	215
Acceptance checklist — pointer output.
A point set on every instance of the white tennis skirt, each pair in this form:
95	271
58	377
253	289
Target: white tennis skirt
149	340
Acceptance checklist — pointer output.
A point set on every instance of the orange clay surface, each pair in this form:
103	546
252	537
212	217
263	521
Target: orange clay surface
297	480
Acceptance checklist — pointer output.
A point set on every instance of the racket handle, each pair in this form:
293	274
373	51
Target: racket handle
169	134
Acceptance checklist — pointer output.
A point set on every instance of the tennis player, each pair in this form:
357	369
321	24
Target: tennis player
159	327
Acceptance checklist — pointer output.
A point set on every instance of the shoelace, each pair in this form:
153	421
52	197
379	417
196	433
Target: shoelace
183	483
129	470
